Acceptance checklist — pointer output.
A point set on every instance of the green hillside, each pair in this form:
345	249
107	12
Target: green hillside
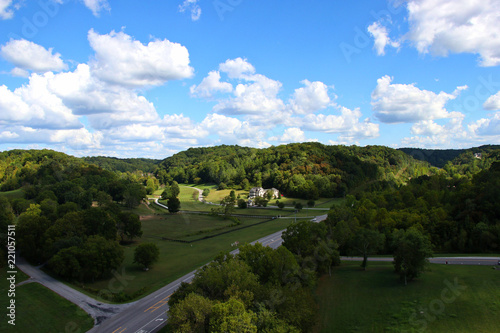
302	170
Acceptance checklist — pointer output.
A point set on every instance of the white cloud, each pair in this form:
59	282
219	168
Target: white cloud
487	127
311	98
210	85
19	72
493	102
181	127
77	139
237	68
400	103
193	7
254	98
230	130
426	127
107	105
292	134
12	107
6	11
221	125
96	6
440	27
255	94
347	124
123	61
381	37
34	105
27	55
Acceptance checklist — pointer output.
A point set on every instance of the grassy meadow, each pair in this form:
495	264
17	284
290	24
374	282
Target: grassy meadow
39	309
178	259
352	300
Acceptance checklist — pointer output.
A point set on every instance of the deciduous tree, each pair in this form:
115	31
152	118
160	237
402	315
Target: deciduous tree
412	249
146	254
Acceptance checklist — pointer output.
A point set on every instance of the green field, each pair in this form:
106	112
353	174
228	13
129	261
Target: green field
38	309
190	204
376	301
178	259
16	194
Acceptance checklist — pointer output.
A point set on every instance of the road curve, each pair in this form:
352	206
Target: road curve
99	311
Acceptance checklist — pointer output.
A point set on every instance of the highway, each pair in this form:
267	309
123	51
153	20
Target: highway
485	261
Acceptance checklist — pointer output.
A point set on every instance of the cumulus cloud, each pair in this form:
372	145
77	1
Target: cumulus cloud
237	68
221	125
86	95
347	123
405	103
441	27
96	6
292	134
311	98
35	106
210	85
487	127
78	139
123	61
259	96
381	38
26	55
493	102
12	107
5	11
193	7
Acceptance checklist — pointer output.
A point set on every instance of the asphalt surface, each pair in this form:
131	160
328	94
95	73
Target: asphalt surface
485	261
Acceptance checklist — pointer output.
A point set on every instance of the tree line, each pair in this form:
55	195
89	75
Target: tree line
457	214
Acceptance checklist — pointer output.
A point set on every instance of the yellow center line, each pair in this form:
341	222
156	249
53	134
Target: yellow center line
158	304
116	331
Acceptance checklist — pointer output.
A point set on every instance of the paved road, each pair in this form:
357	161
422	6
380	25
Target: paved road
485	261
99	311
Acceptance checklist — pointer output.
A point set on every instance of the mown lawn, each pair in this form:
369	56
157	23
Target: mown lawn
40	310
376	301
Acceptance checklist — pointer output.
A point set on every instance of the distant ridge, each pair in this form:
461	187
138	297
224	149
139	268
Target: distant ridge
439	157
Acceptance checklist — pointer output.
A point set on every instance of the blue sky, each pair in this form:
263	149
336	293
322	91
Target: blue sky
151	78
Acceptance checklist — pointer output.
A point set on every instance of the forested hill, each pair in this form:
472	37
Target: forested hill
305	170
124	165
440	157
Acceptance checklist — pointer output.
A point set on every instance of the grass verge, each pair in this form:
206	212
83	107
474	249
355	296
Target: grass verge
40	310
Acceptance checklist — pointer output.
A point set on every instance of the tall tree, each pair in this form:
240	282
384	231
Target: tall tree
174	205
129	225
191	314
412	249
367	241
146	254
